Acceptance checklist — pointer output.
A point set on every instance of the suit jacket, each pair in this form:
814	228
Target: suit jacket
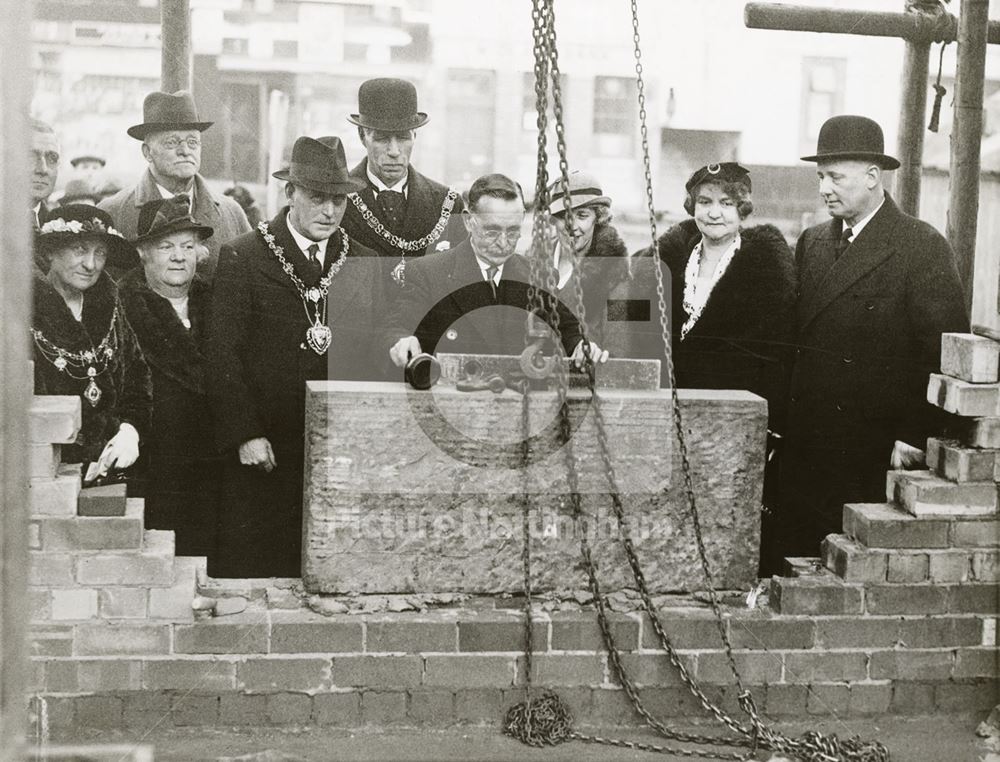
442	303
423	210
257	353
869	330
224	215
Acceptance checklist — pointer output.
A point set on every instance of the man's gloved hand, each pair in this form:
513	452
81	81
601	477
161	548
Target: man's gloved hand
122	450
404	350
907	457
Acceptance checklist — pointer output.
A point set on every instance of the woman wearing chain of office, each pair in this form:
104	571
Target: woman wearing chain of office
83	344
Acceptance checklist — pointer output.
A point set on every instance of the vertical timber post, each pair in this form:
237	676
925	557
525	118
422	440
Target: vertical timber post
966	138
912	113
175	36
15	390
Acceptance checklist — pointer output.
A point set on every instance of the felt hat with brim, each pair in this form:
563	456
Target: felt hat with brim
320	165
162	112
60	226
389	105
79	191
584	189
852	137
163	216
721	172
87	157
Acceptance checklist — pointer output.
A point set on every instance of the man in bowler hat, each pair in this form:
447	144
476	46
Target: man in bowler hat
877	288
397	211
295	301
171	143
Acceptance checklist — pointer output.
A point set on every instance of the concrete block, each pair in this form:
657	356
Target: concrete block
50	569
396	672
107	500
828	699
342	710
963	398
923	494
297	674
911	664
74	604
54	496
43	460
300	633
885	525
951	460
34	535
125	569
245	633
122	603
54	419
815	595
870	698
77	533
437	706
189	674
969	357
940	631
481	705
490	632
986	566
973	598
650	669
121	639
972	696
103	675
976	662
982	432
827	666
908	567
853	562
685	627
907	599
99	711
469	671
194	710
404	634
40	603
912	697
288	708
144	709
383	708
948	566
579	631
557	670
771	633
755	667
975	534
243	710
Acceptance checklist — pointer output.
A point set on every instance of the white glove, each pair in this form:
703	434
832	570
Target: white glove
122	450
906	457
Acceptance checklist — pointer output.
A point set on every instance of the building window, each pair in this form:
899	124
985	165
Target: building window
235	46
823	85
286	49
529	116
615	107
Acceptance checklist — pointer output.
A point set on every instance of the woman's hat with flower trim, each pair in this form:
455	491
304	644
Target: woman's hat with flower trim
61	225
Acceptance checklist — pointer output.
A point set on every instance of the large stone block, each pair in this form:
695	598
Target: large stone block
614	374
421	491
969	357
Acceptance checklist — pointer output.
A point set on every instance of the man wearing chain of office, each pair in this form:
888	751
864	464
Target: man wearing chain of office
295	300
398	212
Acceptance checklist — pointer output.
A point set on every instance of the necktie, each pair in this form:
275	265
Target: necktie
844	242
392	203
315	268
491	274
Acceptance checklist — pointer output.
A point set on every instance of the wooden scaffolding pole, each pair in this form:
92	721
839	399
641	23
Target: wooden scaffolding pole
966	138
15	389
175	35
912	123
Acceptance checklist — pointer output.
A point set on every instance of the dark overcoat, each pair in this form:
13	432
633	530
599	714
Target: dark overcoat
449	307
124	383
869	327
742	340
183	469
425	205
259	363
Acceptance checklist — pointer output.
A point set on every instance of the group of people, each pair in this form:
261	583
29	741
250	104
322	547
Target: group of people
190	335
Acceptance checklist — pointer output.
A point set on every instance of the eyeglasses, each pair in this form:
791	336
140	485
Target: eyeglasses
172	144
492	236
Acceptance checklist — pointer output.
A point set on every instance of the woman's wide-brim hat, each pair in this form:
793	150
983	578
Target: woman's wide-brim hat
388	104
584	190
162	112
852	137
163	216
721	172
319	164
60	226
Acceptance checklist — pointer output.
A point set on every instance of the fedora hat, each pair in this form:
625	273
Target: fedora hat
167	111
388	104
852	137
164	216
320	165
722	172
584	189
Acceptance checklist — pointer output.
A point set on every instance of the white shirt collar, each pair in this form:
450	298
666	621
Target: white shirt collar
400	186
180	305
484	266
304	243
859	226
170	194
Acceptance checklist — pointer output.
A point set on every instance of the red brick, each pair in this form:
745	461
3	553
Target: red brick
469	671
652	669
815	595
189	674
342	710
194	709
479	705
240	634
870	698
506	634
243	710
383	708
911	664
975	534
376	671
971	696
405	635
106	675
755	667
977	662
851	561
974	598
830	699
783	700
912	697
826	666
777	633
147	710
884	525
112	639
435	706
907	599
263	674
99	711
574	631
320	636
289	708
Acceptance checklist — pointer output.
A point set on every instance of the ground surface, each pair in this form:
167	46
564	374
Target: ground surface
926	739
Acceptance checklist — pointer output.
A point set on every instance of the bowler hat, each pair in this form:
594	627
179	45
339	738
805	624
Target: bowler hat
723	172
87	157
167	111
852	137
388	104
77	191
164	216
320	165
584	189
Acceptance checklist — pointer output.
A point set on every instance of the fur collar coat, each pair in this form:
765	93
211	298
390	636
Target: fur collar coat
604	267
